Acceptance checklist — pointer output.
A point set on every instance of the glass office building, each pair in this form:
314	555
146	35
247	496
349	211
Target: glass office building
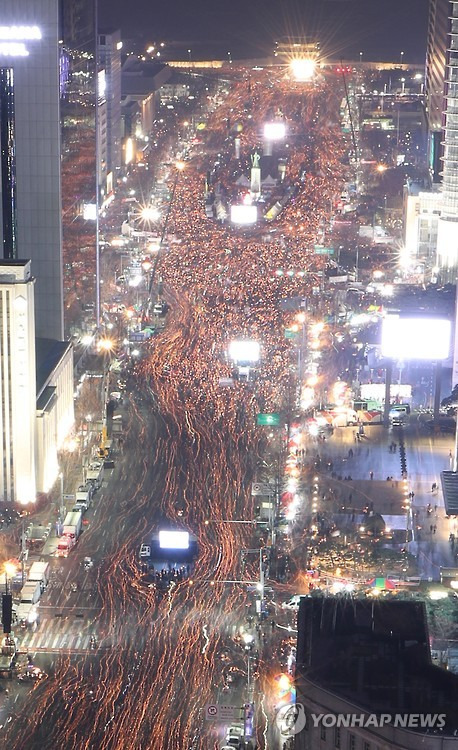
447	238
78	85
30	205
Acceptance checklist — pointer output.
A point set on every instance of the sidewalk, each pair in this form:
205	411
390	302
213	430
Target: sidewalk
426	456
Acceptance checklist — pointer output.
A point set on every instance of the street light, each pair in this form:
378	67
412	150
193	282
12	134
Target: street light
147	265
402	57
150	214
207	522
106	345
61	509
10	571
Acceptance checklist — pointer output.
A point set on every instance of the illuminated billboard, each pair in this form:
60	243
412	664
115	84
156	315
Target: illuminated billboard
243	214
274	131
174	539
244	351
415	338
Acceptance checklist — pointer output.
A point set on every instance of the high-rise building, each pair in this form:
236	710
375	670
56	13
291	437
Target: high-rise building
447	236
79	170
17	382
109	89
30	151
436	46
36	365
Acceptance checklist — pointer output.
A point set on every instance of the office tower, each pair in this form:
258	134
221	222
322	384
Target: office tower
109	88
438	26
17	382
8	163
79	170
447	237
30	151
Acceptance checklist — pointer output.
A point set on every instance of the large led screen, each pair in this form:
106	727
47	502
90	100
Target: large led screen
415	338
174	539
244	351
244	214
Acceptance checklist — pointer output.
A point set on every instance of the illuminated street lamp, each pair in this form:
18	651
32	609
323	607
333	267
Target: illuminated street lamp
147	265
87	340
10	572
61	497
106	345
150	214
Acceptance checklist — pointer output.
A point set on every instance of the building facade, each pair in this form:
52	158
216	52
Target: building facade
30	150
79	171
54	407
436	46
17	382
421	219
325	736
109	60
447	236
362	658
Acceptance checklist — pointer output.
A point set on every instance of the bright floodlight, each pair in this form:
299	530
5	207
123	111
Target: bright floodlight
174	539
244	351
89	211
150	213
302	69
415	338
243	214
274	131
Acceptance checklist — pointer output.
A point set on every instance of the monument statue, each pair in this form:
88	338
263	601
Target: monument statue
255	159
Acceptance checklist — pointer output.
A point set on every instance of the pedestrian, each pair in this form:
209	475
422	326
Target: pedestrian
431	529
434	528
435	509
371	474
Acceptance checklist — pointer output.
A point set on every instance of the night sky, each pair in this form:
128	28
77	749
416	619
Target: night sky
378	28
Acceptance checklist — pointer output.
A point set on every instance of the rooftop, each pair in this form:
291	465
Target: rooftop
374	653
48	353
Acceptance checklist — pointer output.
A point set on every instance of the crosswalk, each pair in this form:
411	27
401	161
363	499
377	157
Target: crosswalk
54	634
